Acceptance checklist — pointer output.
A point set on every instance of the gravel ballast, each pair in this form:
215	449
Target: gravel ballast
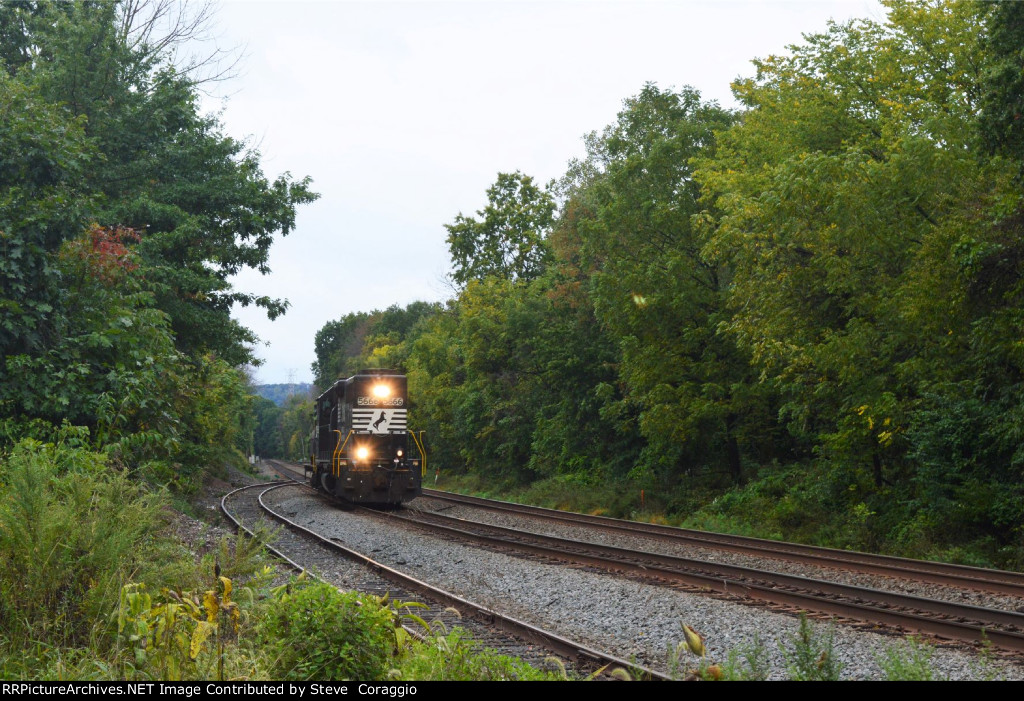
655	545
631	619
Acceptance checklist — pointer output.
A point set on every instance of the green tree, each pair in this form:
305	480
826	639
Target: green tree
109	362
481	393
1002	100
123	212
268	441
199	198
43	202
337	344
367	339
633	204
508	239
873	279
296	425
583	426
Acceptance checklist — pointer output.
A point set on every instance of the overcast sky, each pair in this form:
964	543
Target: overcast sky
403	113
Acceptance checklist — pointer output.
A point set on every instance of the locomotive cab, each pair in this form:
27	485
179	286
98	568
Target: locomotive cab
361	444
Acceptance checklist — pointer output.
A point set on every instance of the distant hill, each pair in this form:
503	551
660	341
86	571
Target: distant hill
278	393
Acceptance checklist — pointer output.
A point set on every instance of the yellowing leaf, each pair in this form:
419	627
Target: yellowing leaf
199	636
694	641
211	605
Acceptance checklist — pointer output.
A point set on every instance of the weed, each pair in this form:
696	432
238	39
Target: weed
810	656
985	669
456	657
71	532
748	662
908	661
320	633
179	635
693	642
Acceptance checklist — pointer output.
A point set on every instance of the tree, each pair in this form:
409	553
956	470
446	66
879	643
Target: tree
199	198
109	361
633	204
875	280
123	212
367	339
474	374
43	202
1002	101
508	239
268	441
154	30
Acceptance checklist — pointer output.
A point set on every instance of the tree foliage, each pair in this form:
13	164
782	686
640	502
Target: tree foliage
43	202
1002	83
634	206
801	318
856	217
507	241
123	212
199	198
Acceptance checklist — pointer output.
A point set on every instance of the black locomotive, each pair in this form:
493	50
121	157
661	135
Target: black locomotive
360	449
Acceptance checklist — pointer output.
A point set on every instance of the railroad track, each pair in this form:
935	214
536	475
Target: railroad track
247	507
980	579
943	619
946	620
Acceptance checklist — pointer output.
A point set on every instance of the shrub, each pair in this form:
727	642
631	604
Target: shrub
320	633
456	657
72	530
908	661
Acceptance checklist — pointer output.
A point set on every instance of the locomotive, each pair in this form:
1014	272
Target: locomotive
360	448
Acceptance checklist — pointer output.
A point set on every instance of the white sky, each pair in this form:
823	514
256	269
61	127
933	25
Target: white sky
403	113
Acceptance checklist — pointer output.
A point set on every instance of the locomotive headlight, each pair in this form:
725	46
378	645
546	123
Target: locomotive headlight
362	453
399	453
381	391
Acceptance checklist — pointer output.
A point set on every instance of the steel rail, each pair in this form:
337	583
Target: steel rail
563	646
997	581
239	526
859	603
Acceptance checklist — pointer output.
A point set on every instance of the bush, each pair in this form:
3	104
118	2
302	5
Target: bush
72	531
908	661
320	633
456	657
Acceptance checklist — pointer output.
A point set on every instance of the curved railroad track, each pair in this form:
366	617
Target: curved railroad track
304	549
915	614
891	610
996	581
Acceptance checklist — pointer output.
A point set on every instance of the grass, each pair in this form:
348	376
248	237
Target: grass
909	660
95	586
455	656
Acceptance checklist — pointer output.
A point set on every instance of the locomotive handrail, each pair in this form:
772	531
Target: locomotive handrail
336	459
423	453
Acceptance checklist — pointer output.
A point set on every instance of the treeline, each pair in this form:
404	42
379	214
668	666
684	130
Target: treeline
800	318
280	392
123	212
